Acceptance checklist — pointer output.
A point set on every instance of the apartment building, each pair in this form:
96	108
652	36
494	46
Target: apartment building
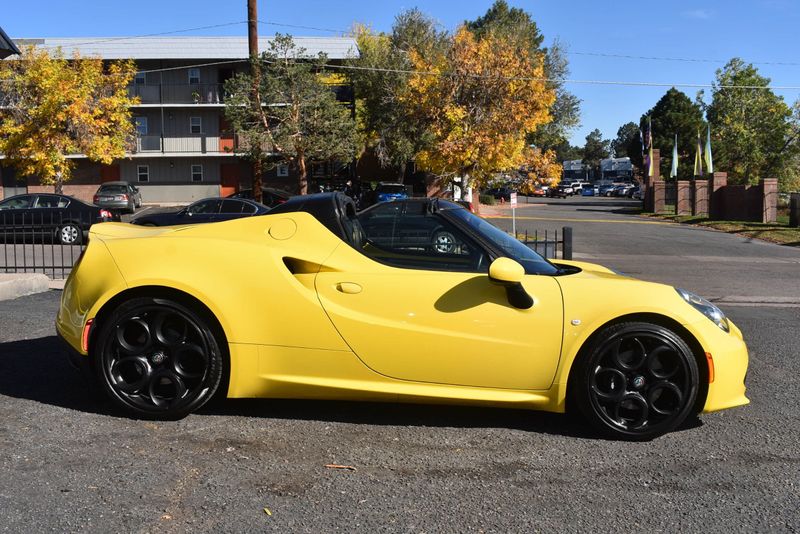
184	148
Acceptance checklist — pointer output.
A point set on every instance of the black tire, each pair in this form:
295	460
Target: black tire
636	381
157	359
70	234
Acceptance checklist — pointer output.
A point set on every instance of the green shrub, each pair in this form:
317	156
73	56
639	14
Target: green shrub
486	199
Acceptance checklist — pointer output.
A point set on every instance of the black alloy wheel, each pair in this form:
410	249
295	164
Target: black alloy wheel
637	382
158	359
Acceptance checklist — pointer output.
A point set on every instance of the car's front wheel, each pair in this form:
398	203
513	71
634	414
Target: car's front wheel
637	381
157	358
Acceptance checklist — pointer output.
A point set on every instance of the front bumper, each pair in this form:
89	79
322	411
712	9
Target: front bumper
730	357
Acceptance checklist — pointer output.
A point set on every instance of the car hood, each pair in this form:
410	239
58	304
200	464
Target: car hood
114	230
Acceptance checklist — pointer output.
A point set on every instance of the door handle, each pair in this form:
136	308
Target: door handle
348	288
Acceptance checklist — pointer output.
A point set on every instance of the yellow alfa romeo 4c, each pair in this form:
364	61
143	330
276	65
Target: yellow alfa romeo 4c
408	301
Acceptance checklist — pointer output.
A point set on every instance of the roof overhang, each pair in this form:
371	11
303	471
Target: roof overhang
7	46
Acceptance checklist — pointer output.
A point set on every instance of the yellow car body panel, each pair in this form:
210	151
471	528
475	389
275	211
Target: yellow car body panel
307	316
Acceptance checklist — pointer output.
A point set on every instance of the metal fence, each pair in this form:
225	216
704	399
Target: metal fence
550	243
48	243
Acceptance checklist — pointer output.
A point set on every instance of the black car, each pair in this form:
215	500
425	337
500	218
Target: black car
60	217
501	193
203	211
270	196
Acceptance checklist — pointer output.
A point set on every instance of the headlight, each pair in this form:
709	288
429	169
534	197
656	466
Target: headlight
706	308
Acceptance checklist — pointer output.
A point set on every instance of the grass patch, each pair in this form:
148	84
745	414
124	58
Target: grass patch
777	232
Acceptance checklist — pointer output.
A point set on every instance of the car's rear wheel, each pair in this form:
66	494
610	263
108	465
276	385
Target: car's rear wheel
158	359
70	234
444	242
637	381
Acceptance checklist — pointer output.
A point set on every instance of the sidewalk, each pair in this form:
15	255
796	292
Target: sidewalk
18	285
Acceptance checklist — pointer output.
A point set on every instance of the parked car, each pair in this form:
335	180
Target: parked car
60	217
386	192
500	193
540	191
606	190
622	190
270	196
588	190
635	192
121	196
203	211
304	290
563	190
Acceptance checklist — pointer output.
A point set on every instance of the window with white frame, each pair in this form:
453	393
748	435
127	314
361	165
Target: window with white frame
143	173
194	76
141	125
197	173
283	170
195	125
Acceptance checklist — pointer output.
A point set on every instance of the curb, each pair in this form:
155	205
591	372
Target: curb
18	285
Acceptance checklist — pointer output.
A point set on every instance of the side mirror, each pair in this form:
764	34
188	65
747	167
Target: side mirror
508	273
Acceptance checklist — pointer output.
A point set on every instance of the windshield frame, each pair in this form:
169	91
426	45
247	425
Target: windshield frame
500	244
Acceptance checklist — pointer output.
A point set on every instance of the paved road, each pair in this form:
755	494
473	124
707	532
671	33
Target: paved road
712	263
69	463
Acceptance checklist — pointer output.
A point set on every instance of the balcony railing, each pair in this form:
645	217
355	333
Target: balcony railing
195	143
196	93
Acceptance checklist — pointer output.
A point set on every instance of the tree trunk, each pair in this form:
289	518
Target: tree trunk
257	171
59	185
303	173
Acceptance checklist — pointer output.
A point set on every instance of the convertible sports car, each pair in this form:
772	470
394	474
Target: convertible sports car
313	300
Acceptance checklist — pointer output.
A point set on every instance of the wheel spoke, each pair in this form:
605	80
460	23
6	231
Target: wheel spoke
166	388
169	328
133	336
665	398
189	361
608	384
663	362
631	411
629	353
131	374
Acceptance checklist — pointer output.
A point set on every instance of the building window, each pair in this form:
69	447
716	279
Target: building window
143	173
139	78
283	170
197	173
141	125
195	125
194	76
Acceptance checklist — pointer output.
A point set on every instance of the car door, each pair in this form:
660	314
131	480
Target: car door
203	211
15	215
235	209
431	314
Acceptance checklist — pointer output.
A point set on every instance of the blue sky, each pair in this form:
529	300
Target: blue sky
763	31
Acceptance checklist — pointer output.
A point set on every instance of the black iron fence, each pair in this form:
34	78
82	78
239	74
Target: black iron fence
42	242
550	243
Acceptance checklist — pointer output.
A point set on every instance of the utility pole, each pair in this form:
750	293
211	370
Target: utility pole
252	41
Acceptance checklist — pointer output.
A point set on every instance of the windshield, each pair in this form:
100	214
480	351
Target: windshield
113	189
391	189
513	248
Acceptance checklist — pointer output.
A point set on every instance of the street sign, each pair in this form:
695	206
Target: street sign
513	199
513	202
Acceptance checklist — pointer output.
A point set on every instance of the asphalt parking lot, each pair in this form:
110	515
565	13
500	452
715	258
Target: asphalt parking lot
70	462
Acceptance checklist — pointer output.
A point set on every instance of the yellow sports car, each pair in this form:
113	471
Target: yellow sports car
415	300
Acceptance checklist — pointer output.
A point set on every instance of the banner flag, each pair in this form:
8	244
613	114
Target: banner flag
674	171
709	161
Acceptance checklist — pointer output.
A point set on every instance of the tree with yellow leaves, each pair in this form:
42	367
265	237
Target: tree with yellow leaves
52	107
478	99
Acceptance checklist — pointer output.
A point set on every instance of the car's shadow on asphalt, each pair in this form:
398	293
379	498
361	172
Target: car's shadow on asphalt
38	370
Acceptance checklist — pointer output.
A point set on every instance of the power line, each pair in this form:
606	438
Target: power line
298	27
145	35
681	59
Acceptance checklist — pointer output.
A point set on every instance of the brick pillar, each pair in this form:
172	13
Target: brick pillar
716	199
700	197
653	191
769	199
684	198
